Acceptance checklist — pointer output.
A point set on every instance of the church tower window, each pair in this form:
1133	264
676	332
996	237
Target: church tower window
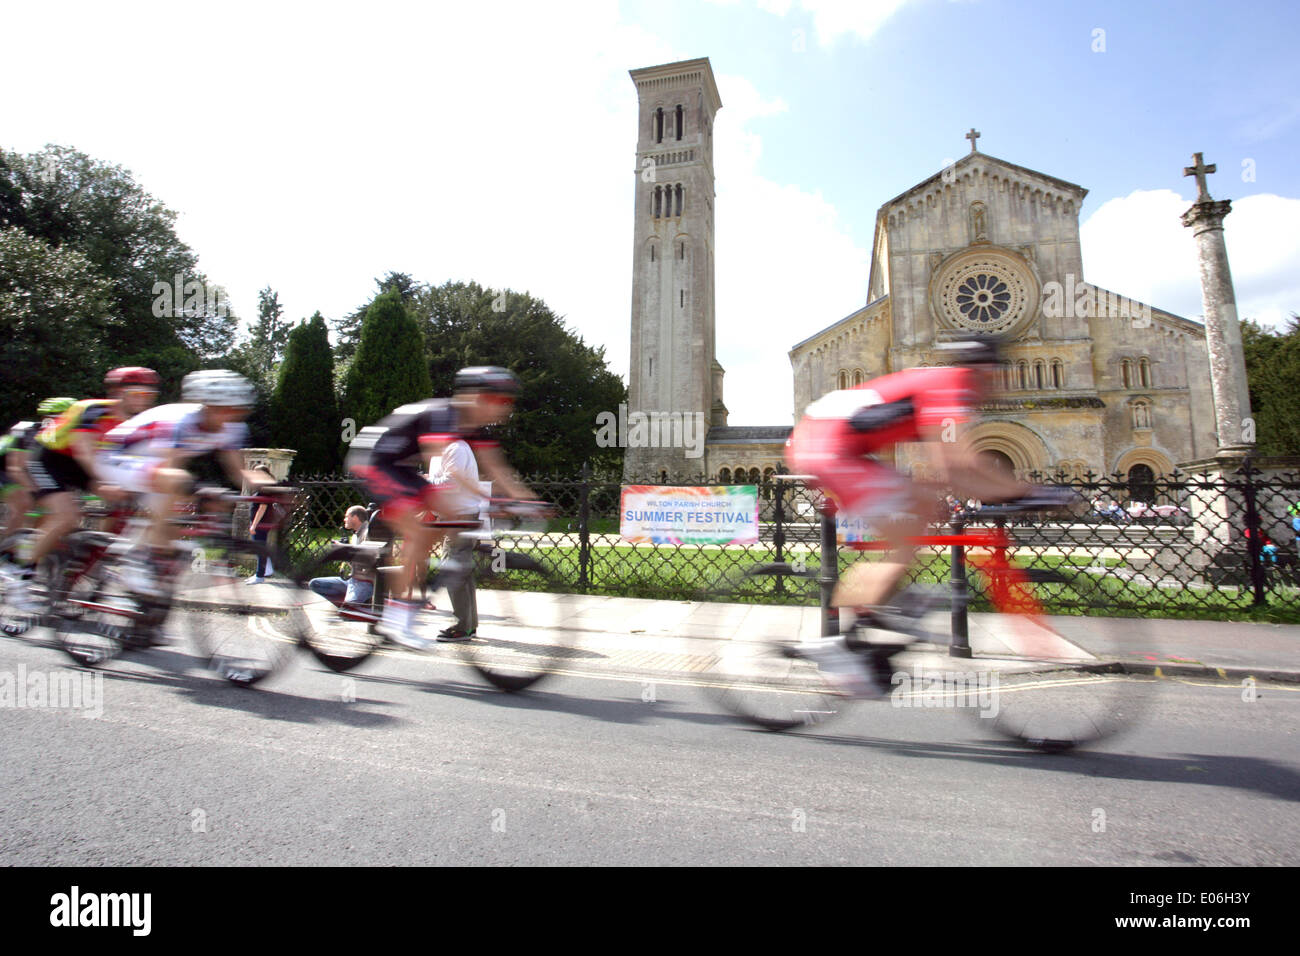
659	197
858	376
652	253
659	125
679	198
681	250
1144	372
843	380
1126	373
679	122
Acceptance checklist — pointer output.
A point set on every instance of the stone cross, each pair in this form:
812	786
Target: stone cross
973	135
1222	327
1199	169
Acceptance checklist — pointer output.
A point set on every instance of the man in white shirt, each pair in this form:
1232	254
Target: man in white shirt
461	500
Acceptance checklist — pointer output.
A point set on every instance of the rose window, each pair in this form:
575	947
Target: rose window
983	299
984	291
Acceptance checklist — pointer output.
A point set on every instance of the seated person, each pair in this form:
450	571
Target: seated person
358	588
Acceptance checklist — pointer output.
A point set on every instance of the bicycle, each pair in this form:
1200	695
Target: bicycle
15	551
1029	682
518	643
244	638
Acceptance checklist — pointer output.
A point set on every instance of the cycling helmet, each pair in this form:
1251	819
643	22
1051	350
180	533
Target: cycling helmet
487	378
984	350
131	375
55	406
218	386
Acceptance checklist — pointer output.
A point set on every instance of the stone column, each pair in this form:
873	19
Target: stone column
1222	328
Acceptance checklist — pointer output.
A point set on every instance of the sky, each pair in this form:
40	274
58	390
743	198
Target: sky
312	147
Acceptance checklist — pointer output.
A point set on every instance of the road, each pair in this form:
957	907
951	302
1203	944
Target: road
412	761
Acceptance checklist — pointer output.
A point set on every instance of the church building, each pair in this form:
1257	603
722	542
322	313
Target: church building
1093	381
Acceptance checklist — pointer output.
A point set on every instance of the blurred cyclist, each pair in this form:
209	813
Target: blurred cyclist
837	441
148	454
66	464
388	457
16	485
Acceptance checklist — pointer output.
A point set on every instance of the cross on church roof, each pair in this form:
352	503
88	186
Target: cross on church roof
973	135
1199	170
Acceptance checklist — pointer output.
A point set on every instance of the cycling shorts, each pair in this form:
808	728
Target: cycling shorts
840	460
54	472
131	472
399	491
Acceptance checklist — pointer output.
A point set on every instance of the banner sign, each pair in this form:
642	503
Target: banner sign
719	514
853	529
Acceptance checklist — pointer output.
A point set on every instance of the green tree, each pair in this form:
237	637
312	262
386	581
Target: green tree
389	368
566	382
1273	377
348	328
53	330
304	412
158	298
270	336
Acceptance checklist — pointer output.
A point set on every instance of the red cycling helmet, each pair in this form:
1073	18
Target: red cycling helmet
131	375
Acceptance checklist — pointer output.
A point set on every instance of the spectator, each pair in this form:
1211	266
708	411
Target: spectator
258	530
462	499
358	588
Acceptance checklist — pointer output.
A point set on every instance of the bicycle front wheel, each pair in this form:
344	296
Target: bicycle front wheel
245	633
521	636
1055	682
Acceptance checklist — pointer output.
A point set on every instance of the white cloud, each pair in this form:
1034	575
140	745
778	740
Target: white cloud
1137	245
835	18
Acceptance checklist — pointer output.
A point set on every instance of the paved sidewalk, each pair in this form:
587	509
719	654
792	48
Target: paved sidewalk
638	636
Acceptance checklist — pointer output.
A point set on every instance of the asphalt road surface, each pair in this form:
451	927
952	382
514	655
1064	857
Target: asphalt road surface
412	760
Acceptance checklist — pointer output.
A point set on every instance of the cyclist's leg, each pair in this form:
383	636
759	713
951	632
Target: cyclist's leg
62	513
18	500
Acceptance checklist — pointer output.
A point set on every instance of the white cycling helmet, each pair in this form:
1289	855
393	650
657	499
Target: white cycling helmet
218	386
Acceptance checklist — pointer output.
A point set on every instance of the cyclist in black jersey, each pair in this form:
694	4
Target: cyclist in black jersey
388	457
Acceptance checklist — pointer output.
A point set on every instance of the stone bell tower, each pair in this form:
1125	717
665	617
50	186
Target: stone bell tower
673	372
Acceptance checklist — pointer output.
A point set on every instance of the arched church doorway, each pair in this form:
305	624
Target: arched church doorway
1142	484
999	460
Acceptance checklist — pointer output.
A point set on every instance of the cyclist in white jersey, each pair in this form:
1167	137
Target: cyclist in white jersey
147	453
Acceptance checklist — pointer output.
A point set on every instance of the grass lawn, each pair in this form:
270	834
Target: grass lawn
694	574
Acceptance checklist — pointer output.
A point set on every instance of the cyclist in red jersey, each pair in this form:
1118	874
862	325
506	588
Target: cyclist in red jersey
841	433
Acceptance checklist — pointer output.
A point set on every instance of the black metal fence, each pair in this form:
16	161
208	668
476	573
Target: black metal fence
1184	545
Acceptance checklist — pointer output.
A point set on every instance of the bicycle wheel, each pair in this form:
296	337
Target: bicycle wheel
755	675
245	634
342	638
521	636
96	617
1053	682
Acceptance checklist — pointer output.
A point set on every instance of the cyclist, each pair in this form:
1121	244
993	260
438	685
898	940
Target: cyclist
65	462
837	441
388	455
147	455
16	486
